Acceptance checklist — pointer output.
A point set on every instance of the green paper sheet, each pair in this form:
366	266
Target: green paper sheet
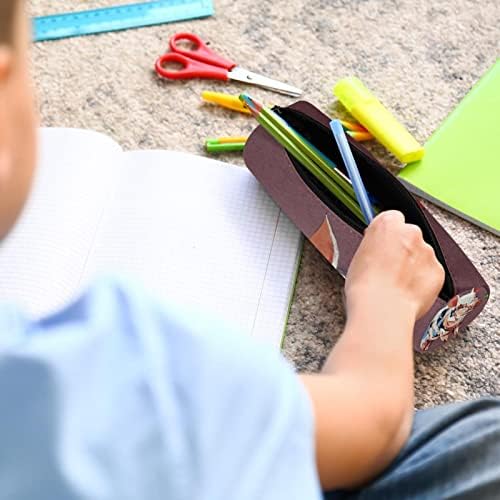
461	167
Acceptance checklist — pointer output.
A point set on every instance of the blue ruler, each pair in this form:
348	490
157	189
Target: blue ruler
120	17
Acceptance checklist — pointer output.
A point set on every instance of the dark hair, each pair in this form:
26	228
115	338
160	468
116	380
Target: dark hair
7	19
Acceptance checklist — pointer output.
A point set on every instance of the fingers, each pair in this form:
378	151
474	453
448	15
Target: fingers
394	256
394	222
388	218
405	237
435	266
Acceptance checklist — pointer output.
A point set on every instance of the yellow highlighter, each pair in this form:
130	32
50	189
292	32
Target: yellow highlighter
380	122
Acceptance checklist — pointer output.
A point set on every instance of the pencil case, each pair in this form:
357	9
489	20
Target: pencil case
336	233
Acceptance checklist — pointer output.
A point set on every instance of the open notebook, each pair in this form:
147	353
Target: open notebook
195	231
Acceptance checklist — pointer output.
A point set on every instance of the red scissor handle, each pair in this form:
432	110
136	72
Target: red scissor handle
190	68
200	52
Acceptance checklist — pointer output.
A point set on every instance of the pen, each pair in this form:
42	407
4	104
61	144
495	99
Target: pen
225	100
228	140
352	169
225	144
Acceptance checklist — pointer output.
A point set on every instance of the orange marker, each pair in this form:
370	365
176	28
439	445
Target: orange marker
356	127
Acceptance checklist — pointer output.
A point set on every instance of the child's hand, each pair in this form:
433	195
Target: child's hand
366	387
393	266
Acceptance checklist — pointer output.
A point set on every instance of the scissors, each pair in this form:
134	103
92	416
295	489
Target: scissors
201	62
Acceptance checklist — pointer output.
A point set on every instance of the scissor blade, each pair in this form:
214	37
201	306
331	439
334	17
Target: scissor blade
245	76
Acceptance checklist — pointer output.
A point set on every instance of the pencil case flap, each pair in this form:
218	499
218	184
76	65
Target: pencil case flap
336	233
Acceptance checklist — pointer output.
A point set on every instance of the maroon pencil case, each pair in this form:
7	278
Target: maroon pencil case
336	233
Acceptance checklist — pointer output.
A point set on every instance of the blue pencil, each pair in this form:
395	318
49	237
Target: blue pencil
352	169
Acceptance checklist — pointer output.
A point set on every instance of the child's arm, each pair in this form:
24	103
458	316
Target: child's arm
363	400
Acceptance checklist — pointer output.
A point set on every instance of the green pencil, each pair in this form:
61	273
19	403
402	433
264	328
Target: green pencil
309	149
307	162
302	153
316	155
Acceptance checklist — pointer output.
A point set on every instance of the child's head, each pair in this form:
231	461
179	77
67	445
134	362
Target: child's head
17	114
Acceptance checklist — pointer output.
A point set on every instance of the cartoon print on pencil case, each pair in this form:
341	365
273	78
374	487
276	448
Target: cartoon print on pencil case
324	240
447	320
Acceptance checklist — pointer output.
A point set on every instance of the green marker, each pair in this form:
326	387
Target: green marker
225	144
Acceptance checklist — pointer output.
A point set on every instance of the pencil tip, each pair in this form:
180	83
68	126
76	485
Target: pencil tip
252	105
245	99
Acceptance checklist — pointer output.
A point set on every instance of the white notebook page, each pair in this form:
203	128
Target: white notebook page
193	230
202	233
42	260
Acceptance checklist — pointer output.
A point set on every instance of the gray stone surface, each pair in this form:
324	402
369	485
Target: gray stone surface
419	57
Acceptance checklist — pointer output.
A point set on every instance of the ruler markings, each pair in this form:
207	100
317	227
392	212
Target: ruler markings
119	17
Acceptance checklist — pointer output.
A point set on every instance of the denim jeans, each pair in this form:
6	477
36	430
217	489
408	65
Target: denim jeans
453	452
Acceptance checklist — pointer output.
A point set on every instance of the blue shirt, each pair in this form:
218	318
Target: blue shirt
121	397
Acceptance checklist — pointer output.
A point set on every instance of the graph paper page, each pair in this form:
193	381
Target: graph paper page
197	232
203	234
43	258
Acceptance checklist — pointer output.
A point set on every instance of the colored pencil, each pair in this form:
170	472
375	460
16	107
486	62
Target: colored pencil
299	150
327	165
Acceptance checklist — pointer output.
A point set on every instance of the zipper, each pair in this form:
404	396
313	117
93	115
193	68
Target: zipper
386	178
